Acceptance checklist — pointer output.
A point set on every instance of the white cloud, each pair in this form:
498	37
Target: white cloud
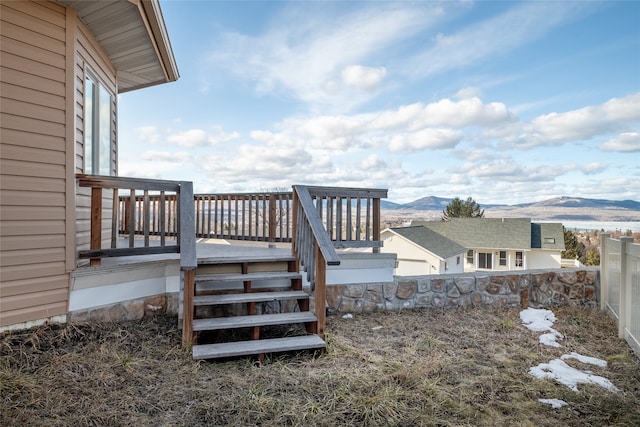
593	168
575	125
425	139
200	138
308	52
363	78
496	36
147	134
166	156
627	142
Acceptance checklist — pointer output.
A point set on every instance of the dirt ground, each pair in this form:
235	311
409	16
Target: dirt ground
460	367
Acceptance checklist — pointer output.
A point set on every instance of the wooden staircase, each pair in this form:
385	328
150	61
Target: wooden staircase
240	308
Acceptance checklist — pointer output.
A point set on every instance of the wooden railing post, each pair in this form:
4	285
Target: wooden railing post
96	222
294	222
272	218
320	291
376	222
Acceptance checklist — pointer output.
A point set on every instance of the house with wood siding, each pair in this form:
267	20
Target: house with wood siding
491	244
63	64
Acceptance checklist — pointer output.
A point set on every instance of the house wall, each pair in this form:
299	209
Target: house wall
415	260
45	53
34	166
511	261
544	259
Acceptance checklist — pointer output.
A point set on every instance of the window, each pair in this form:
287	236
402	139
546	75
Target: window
470	256
549	240
484	260
458	261
503	257
446	266
519	259
97	127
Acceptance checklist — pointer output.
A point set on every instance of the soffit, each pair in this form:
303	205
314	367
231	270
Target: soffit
133	34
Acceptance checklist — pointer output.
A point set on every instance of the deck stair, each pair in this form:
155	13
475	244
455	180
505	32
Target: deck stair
251	306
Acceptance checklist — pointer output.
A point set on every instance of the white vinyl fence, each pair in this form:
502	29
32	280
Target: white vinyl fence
620	286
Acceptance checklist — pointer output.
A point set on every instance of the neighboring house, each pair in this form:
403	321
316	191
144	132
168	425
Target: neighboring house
495	244
63	65
423	251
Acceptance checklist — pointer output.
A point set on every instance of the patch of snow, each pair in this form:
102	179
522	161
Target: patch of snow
348	316
585	359
555	403
538	319
558	370
541	320
550	338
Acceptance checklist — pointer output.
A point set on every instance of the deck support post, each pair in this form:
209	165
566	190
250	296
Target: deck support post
188	292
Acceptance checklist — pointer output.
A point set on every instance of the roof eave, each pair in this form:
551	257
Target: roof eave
159	35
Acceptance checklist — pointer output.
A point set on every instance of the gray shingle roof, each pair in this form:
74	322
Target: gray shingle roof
432	241
499	233
493	233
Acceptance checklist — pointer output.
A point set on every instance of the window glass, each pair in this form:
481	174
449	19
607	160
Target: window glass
519	262
105	132
89	90
470	256
97	127
503	257
484	260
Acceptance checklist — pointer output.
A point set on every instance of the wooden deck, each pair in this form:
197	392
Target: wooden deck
206	250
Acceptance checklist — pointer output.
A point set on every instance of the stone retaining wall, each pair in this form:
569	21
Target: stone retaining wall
531	288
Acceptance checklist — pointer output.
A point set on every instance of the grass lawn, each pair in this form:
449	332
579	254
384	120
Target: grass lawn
411	368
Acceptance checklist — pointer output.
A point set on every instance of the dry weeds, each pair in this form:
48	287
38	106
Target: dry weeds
411	368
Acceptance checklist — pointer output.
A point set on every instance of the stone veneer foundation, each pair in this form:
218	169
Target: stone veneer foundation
531	288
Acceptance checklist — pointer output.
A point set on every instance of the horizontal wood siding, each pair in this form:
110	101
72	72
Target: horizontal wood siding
34	282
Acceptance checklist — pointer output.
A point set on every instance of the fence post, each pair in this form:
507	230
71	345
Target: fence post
604	278
625	288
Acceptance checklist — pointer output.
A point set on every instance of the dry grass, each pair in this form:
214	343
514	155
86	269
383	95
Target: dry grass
412	368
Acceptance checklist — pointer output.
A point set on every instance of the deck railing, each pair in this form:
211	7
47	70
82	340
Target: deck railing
351	216
620	286
314	242
152	207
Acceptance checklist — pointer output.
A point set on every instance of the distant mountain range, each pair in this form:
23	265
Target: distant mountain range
431	203
563	207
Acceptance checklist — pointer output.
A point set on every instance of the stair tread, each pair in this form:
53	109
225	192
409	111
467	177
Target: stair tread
241	348
217	323
247	297
235	277
245	258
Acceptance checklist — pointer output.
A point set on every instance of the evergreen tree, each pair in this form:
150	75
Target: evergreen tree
459	208
592	257
573	248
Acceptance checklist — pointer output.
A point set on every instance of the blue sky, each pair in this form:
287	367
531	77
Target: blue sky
506	102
